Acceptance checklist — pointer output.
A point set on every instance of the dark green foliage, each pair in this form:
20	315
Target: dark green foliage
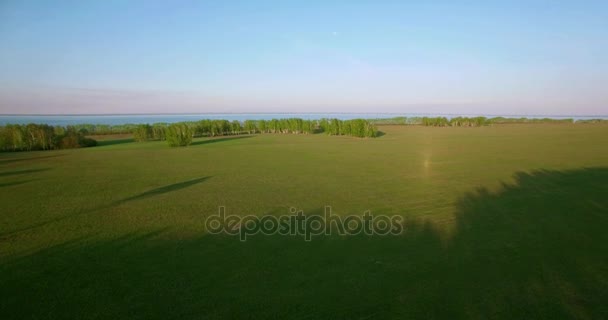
74	138
236	127
249	126
469	122
435	122
262	126
370	130
291	125
308	126
213	128
104	129
179	134
143	132
273	126
356	128
32	136
324	125
158	131
87	142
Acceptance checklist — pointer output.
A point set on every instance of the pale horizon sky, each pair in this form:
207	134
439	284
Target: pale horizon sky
451	57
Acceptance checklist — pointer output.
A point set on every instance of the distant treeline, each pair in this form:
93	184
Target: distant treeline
206	127
177	133
46	137
435	121
529	120
471	121
15	137
294	125
592	121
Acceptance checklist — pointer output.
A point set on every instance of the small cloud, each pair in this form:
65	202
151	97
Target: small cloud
335	33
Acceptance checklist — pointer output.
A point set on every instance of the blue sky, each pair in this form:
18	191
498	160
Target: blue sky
486	57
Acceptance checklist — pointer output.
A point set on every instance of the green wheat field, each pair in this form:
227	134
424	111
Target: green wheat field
501	222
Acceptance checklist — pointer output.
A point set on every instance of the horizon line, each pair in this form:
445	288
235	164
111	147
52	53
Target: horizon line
405	114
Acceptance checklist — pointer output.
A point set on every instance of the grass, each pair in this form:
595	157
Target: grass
502	222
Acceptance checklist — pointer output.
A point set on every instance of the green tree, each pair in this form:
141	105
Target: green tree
370	130
262	126
249	126
179	134
274	126
308	126
235	126
158	131
142	132
334	127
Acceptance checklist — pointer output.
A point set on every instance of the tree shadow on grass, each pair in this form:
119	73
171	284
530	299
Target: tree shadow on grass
14	183
102	143
220	139
536	249
11	159
147	194
164	189
17	172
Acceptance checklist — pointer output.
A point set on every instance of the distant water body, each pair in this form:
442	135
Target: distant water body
64	120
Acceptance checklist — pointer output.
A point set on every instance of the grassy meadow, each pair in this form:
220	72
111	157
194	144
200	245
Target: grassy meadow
502	222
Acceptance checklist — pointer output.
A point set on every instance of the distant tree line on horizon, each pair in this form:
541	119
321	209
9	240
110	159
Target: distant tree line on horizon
356	128
45	137
177	133
15	137
592	121
220	127
471	121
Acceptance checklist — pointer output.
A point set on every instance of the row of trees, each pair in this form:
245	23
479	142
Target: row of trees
434	121
455	122
467	121
15	137
176	133
221	127
45	137
179	134
356	127
213	128
145	132
105	129
592	121
530	120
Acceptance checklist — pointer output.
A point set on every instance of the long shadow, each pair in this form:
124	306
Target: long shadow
15	183
144	195
11	160
102	143
17	172
223	139
165	189
537	249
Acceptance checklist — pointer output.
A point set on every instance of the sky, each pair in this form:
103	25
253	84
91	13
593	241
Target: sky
452	57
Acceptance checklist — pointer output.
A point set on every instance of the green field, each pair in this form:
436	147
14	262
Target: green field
503	222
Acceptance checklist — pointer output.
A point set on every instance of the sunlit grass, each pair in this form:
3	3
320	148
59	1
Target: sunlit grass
505	221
